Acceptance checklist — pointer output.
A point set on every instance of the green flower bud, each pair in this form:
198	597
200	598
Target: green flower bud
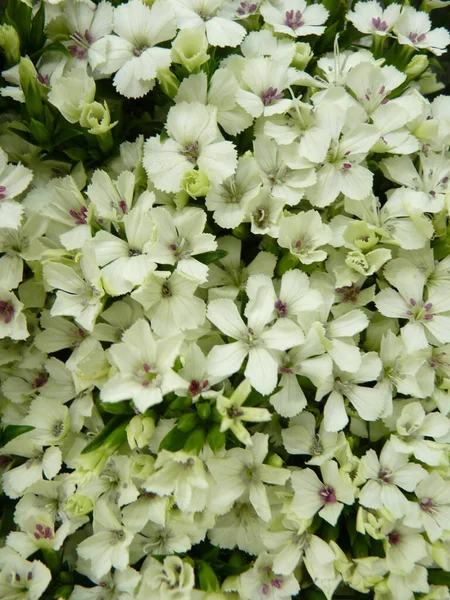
187	422
195	183
416	66
215	438
30	86
190	49
139	431
95	117
286	263
203	410
275	461
195	441
78	505
168	81
141	465
10	42
303	54
359	235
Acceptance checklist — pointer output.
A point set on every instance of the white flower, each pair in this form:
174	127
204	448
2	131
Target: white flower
409	304
301	438
254	339
13	323
194	140
111	199
233	412
302	234
413	28
170	303
229	199
384	474
171	579
294	17
179	238
71	93
144	367
20	578
239	527
367	401
403	547
182	476
369	17
244	472
372	84
206	15
433	506
196	373
311	495
14	179
109	546
263	82
261	581
78	294
126	263
133	52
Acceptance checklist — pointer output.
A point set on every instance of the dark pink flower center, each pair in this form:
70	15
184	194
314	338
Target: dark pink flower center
379	24
349	292
270	95
294	19
427	506
384	476
80	217
245	8
394	538
42	533
197	387
6	311
416	38
281	308
2	192
327	495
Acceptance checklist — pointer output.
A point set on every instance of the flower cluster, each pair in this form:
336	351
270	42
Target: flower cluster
224	300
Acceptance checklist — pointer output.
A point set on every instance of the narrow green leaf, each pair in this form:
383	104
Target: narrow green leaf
12	431
115	427
210	257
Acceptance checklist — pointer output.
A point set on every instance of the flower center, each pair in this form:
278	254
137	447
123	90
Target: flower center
42	533
427	506
418	313
270	95
245	8
2	192
294	19
416	38
379	24
139	50
281	308
327	495
6	311
80	217
146	375
349	292
58	429
40	380
234	412
316	447
180	249
394	538
197	387
166	291
385	476
191	152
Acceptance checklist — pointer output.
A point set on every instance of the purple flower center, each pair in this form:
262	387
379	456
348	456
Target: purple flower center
6	311
349	292
265	589
80	217
327	495
416	38
270	96
139	50
246	8
281	308
148	375
191	152
294	19
384	476
197	387
77	52
42	533
123	206
379	24
40	381
394	538
427	506
44	79
2	192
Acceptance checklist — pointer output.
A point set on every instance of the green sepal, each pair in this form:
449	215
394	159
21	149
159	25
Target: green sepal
37	34
40	133
116	408
207	258
207	578
18	14
203	410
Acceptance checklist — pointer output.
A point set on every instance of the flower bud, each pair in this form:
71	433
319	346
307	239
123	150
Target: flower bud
303	54
96	118
275	461
195	183
71	94
195	441
187	422
168	81
190	49
78	505
30	86
139	431
10	42
416	66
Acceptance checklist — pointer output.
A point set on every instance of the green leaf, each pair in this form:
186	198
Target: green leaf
18	14
76	153
195	441
12	431
37	35
40	133
55	47
187	422
209	257
207	578
438	577
215	438
112	433
174	440
66	134
116	408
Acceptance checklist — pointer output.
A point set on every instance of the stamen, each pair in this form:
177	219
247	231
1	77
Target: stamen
327	495
6	311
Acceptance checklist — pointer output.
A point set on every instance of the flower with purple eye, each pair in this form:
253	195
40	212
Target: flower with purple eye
270	95
327	495
80	217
